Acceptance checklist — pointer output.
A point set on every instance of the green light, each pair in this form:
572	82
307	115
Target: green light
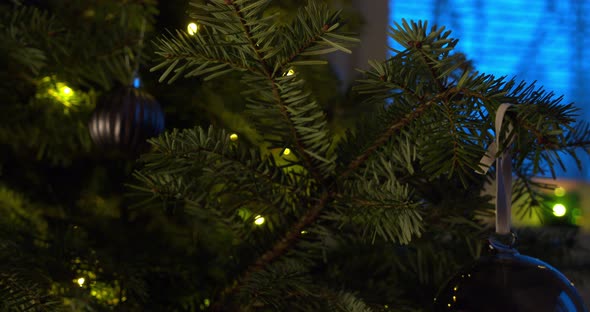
559	210
59	91
559	191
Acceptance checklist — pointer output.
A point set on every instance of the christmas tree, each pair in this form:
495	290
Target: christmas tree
262	198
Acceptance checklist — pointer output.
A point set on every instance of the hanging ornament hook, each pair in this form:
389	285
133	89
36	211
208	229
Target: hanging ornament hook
139	50
503	178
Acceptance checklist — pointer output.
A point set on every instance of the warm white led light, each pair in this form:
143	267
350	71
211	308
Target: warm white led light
259	220
192	28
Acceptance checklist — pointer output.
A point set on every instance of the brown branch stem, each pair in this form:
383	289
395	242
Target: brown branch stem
276	93
439	83
382	139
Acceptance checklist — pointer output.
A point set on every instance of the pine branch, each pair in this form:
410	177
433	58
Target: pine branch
222	167
32	37
312	38
18	294
437	123
278	249
396	126
298	113
283	93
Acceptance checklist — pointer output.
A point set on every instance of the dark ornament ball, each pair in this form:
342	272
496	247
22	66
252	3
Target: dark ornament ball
124	119
510	282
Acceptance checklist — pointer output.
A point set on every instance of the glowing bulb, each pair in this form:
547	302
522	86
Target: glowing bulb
233	137
559	210
66	90
192	28
80	281
291	72
559	191
259	220
287	152
136	82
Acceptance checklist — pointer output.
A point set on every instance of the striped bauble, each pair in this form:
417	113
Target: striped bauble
124	119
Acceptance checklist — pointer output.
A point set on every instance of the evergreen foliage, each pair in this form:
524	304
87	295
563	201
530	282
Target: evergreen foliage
375	186
294	215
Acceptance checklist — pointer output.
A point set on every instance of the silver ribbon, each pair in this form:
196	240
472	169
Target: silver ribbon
503	174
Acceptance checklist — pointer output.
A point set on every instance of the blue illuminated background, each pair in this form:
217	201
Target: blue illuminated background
543	40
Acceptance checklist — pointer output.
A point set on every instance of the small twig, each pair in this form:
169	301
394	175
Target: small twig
278	249
276	93
382	139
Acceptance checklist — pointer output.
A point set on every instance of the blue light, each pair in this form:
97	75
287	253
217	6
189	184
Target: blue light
543	41
136	82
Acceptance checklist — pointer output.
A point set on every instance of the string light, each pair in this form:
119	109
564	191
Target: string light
291	72
559	191
58	91
233	137
192	28
81	281
559	210
286	151
259	220
136	82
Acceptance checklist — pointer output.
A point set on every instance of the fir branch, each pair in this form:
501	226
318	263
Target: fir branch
282	281
18	294
211	155
278	249
284	108
376	205
313	38
387	76
396	126
202	55
348	302
31	37
248	33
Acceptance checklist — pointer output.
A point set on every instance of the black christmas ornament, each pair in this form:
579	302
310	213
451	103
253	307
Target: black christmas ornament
124	119
506	280
510	282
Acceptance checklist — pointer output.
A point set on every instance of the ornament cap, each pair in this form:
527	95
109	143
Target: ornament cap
503	243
